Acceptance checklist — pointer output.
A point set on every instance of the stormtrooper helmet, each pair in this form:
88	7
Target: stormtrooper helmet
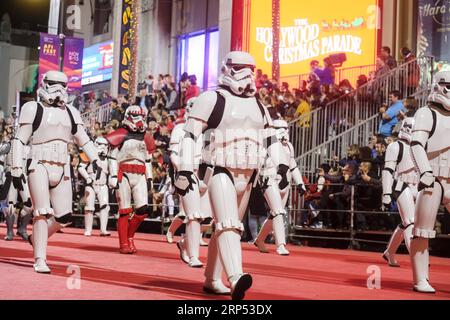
102	146
405	132
135	119
440	91
282	131
53	90
238	70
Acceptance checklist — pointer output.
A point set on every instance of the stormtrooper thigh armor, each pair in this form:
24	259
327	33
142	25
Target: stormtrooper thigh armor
50	187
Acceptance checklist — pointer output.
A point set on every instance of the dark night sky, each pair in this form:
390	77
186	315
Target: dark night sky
27	12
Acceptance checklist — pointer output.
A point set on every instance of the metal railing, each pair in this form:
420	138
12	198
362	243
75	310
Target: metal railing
313	129
356	219
341	135
99	114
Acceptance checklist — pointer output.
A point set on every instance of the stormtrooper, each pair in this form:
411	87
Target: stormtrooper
50	124
190	243
96	187
279	170
130	170
400	181
430	149
234	125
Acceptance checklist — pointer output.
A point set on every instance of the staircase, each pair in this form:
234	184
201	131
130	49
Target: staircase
357	107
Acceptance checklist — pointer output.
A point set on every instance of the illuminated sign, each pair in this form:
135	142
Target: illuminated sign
97	63
313	31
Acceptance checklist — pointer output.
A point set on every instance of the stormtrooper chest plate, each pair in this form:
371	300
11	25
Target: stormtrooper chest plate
132	149
55	125
238	139
405	170
438	146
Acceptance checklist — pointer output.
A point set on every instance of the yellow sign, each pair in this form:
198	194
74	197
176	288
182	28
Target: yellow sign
314	30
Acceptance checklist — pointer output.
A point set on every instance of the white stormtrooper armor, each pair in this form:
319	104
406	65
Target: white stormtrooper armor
96	187
279	170
174	149
130	168
430	148
233	123
400	181
49	125
190	243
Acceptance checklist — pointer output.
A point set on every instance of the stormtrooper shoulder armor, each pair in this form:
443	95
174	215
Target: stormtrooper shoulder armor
393	152
117	137
28	112
75	115
203	106
424	120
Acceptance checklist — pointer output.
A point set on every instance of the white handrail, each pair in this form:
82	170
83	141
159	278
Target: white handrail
313	128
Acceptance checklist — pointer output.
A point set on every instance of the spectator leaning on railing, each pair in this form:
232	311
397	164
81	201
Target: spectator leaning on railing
389	115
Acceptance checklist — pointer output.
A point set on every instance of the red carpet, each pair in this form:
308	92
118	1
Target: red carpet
156	272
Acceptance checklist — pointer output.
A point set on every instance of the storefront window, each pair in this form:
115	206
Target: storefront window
198	55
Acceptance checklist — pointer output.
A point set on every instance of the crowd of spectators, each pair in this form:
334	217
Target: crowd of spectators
354	182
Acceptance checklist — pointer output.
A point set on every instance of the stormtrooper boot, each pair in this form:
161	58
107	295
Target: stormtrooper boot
122	229
192	238
88	221
420	260
104	215
9	219
279	234
229	245
263	233
135	222
176	223
184	256
394	243
213	271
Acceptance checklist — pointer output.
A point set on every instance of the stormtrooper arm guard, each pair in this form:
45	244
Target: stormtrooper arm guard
175	160
388	172
175	144
186	180
421	132
83	172
81	138
113	168
22	138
